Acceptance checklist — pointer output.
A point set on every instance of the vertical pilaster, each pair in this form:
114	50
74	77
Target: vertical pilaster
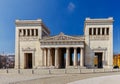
92	31
100	31
82	57
96	31
67	57
75	56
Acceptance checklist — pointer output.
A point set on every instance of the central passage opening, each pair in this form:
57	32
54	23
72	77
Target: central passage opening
99	59
28	60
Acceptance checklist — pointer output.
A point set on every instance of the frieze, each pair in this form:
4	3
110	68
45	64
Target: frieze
99	37
62	43
29	38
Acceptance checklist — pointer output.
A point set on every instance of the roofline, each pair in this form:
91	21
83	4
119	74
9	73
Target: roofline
38	21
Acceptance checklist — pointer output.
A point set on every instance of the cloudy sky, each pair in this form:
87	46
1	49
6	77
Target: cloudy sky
59	16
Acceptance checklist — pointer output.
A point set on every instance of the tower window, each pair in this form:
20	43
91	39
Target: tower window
90	31
36	32
98	31
20	31
103	31
107	31
32	32
94	31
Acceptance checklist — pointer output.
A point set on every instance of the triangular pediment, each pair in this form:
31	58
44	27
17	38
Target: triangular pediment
62	36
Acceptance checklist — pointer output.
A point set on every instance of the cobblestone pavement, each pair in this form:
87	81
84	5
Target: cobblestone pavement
47	79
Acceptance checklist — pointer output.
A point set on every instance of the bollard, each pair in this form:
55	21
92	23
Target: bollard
7	70
32	71
65	71
49	71
80	70
104	70
18	71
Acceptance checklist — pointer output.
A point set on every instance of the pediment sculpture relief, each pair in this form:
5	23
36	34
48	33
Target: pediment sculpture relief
62	36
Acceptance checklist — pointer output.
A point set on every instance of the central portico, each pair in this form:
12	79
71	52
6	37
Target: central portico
62	51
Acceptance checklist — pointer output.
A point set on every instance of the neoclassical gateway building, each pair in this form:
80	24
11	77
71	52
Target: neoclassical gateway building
35	48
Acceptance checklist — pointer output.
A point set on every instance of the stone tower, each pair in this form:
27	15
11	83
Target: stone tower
27	43
99	42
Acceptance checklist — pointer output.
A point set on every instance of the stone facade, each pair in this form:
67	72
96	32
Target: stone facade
35	48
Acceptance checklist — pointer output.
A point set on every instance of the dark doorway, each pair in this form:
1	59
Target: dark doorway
28	60
99	60
62	58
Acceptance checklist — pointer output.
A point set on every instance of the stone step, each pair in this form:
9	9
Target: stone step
75	67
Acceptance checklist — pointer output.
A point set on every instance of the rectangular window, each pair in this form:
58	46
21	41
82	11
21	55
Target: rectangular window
103	31
32	32
94	31
98	31
20	31
36	32
90	31
107	31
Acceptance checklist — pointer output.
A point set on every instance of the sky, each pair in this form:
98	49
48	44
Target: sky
58	15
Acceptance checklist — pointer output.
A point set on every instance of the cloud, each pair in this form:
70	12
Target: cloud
71	7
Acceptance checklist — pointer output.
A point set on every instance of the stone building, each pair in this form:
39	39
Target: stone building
35	48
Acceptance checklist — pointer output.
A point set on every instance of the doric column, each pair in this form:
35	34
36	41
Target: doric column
34	32
75	56
81	57
56	57
67	57
48	60
42	56
26	32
